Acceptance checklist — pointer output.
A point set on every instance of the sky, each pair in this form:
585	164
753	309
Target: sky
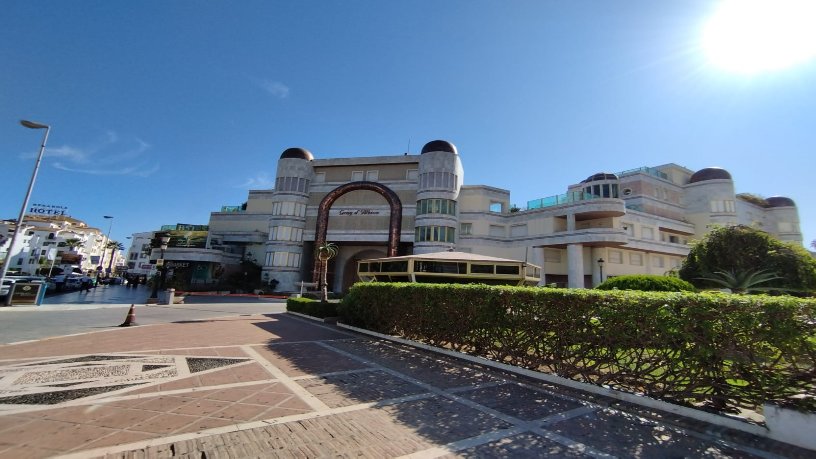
164	111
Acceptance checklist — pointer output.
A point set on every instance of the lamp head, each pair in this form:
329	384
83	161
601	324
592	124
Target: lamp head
600	261
33	125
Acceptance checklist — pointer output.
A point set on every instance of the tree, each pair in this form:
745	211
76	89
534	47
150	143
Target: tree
73	244
741	251
113	246
326	252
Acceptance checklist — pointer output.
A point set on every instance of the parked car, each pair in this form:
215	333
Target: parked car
72	283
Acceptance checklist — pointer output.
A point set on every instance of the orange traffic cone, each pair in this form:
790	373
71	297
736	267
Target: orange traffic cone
131	317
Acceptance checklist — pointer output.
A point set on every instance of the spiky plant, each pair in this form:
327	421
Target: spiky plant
750	281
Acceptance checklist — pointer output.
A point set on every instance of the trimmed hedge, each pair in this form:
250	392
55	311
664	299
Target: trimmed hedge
647	283
716	351
311	307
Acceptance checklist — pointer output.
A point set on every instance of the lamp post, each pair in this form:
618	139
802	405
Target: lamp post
18	227
155	294
104	246
600	269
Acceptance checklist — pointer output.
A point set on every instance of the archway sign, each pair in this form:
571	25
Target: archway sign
394	225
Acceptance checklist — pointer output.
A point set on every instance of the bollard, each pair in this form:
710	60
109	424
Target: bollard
171	294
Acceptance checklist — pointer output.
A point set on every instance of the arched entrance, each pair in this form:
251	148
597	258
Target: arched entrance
395	220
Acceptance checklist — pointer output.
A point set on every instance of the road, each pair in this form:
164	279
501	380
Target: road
106	307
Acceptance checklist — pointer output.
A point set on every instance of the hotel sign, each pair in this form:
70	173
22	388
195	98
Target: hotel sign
47	209
355	212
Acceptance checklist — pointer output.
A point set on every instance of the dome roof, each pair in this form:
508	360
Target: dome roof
297	153
710	173
780	201
600	176
439	145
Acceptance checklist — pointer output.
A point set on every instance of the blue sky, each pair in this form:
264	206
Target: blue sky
163	111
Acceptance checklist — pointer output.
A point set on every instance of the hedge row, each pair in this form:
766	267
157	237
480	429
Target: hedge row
647	283
311	307
714	351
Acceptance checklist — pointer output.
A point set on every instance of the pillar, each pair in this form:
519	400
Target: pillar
575	266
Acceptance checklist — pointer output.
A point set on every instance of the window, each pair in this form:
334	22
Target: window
357	176
439	180
518	230
615	256
320	177
411	174
505	269
552	256
647	233
289	208
495	207
285	233
436	206
466	229
785	227
283	259
298	184
636	259
497	231
481	269
434	234
720	206
627	191
372	176
657	261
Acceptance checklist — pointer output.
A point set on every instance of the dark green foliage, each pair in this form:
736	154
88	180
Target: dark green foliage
311	307
702	349
646	283
740	249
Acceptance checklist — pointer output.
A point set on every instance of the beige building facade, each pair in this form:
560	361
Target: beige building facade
636	221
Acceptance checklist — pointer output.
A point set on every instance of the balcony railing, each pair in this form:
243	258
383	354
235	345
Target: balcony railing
560	199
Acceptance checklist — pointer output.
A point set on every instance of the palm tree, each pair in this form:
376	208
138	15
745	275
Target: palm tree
113	246
73	244
326	252
744	281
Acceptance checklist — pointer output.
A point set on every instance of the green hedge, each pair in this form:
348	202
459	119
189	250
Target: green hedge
715	351
311	307
647	283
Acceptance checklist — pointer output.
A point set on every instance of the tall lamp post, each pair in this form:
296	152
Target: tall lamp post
155	294
104	246
19	226
600	269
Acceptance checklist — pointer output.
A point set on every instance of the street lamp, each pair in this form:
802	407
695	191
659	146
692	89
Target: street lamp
104	246
155	294
18	227
600	268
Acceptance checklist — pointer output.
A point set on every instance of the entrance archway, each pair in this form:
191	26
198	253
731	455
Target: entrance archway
395	220
350	271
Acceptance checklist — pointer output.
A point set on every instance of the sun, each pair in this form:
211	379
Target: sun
754	36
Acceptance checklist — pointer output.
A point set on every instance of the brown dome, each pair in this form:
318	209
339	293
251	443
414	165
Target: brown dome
710	173
780	201
297	153
600	176
439	145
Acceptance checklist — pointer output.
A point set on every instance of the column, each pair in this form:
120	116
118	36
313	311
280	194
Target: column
538	259
575	265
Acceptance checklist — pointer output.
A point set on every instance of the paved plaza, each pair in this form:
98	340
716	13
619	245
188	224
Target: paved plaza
277	385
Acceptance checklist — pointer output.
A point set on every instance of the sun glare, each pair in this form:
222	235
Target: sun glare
753	36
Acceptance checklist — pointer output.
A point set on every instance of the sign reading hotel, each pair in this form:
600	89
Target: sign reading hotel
47	209
355	212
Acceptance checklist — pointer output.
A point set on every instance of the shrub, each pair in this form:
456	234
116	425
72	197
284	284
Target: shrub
311	307
698	349
646	283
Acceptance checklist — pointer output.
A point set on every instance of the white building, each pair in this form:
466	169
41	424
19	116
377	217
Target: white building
636	221
43	244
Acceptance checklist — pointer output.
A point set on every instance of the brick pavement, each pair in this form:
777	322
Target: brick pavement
280	386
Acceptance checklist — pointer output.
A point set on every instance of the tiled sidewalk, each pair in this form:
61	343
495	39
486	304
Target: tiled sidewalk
279	386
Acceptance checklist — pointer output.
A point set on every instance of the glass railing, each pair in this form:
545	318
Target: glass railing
560	199
231	209
646	170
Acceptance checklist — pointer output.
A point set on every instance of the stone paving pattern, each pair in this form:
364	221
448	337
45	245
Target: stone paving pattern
295	388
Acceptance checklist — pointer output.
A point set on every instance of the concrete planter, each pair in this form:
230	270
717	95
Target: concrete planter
791	426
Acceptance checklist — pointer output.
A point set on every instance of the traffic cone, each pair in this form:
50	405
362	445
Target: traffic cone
131	317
